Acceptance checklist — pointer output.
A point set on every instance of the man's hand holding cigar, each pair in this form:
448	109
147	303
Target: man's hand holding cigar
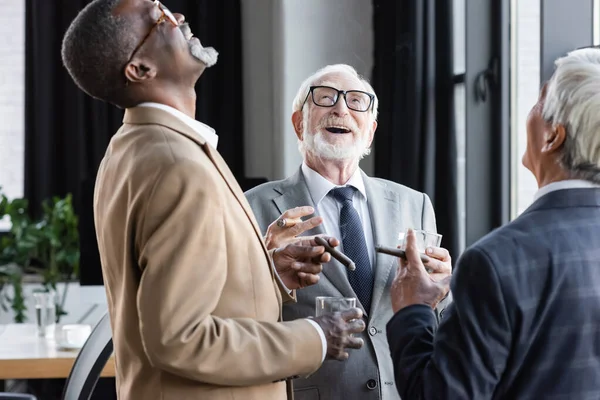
286	230
289	226
297	261
413	284
300	263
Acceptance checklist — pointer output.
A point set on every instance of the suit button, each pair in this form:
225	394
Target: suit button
371	384
372	331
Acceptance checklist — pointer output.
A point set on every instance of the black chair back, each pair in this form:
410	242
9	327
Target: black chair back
89	363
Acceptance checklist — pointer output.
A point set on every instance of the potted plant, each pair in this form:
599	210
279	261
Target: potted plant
47	247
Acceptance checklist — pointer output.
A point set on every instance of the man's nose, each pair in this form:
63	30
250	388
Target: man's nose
179	17
340	108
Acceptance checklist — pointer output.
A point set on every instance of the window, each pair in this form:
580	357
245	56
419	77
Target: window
534	51
596	19
459	114
12	99
525	85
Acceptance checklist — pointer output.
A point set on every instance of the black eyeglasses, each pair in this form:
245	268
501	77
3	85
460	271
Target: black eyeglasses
326	96
166	15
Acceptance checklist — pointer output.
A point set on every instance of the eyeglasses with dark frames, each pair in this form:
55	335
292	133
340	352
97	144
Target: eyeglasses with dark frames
166	15
327	96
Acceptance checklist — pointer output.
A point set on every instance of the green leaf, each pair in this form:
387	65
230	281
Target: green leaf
48	246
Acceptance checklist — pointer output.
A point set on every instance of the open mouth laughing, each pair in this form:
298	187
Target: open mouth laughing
338	129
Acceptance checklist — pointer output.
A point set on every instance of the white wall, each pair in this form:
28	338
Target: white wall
12	98
285	41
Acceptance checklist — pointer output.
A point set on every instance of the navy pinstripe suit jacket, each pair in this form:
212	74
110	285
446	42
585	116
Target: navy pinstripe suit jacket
525	322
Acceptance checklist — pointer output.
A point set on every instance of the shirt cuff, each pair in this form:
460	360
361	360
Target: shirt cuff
283	284
289	292
322	335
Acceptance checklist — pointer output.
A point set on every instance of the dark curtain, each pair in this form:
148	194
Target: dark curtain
219	104
66	131
415	144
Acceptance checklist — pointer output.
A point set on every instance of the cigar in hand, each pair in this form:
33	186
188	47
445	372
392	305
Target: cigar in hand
397	252
335	253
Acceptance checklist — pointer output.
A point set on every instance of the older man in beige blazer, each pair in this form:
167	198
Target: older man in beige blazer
194	301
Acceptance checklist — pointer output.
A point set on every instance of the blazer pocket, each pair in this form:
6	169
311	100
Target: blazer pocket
307	393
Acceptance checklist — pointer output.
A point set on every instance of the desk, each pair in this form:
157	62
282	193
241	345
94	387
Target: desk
24	355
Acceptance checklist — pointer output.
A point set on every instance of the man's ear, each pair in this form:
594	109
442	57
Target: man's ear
554	139
372	132
298	122
138	71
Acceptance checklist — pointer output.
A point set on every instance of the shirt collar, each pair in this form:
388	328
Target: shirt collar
319	187
205	131
566	184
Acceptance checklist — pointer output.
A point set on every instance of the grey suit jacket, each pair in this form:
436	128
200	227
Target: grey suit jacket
393	208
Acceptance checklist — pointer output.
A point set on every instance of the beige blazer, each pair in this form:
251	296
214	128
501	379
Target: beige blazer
194	304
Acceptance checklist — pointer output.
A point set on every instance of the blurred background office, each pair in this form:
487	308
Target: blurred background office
455	79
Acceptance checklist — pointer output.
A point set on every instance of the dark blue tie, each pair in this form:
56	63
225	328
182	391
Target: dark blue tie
355	246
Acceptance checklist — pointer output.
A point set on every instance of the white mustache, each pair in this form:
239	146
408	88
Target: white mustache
185	28
334	121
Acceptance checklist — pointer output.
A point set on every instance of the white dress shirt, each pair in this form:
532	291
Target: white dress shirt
566	184
208	134
329	208
205	131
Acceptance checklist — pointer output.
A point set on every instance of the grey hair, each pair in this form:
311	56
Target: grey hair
573	100
95	49
331	69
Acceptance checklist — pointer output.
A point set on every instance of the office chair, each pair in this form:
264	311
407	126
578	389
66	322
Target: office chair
89	363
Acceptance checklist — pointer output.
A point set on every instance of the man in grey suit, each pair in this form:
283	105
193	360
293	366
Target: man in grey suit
335	117
525	319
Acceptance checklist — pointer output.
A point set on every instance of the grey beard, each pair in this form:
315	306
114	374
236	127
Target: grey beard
316	144
207	55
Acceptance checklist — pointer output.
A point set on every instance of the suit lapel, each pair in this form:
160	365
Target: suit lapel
338	276
235	189
384	208
294	193
148	115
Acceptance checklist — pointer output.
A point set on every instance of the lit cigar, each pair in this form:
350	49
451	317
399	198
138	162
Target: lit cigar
341	257
288	222
397	252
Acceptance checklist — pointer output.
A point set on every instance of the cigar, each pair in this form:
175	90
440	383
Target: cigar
341	257
288	222
397	252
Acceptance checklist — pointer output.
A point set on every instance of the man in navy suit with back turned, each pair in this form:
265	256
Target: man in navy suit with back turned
525	322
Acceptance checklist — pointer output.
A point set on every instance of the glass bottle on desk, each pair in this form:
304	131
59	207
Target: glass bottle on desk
45	312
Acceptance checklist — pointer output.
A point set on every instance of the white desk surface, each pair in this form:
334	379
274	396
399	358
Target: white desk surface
24	355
